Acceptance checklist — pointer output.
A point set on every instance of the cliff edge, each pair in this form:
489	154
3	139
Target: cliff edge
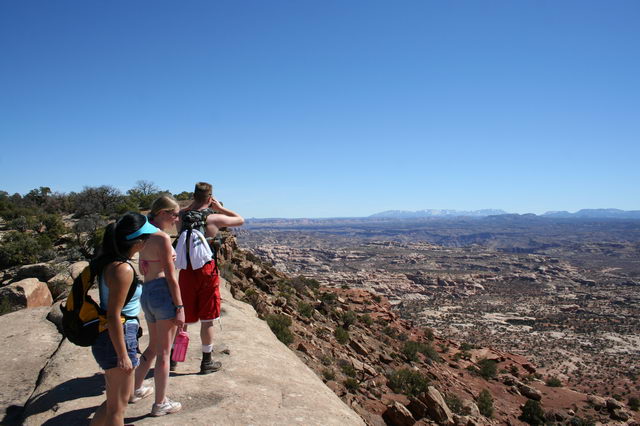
261	381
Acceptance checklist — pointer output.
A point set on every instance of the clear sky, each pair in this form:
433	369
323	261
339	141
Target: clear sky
330	107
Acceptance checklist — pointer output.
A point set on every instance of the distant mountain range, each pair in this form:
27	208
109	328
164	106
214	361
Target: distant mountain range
580	214
597	214
405	214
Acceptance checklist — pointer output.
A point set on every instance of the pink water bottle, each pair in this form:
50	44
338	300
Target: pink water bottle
180	345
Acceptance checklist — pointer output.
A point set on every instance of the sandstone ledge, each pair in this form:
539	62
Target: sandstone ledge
261	382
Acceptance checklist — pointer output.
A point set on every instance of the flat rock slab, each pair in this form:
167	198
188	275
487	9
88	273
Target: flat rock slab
28	341
261	382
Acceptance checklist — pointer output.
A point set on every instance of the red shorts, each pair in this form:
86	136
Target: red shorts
200	290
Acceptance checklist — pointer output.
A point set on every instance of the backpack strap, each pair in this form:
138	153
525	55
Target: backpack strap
130	293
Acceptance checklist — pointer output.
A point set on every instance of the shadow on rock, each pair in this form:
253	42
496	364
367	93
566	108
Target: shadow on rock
75	417
80	387
12	415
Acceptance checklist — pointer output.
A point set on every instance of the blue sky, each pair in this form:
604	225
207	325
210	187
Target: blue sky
327	108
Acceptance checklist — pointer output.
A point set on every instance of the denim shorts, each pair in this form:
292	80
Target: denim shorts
104	352
156	300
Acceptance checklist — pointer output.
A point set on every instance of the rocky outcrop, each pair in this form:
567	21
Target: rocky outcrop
398	415
437	409
261	382
530	392
41	271
27	293
28	342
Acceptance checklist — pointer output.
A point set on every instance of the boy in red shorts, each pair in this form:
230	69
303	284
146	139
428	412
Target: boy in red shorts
200	283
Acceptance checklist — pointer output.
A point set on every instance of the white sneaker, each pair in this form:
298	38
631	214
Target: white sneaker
167	407
142	392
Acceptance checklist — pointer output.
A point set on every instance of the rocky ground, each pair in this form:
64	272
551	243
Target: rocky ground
389	368
572	309
363	366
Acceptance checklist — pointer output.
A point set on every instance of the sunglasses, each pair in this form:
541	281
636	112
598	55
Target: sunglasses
172	213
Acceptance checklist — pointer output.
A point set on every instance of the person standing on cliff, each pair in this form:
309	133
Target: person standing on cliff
199	276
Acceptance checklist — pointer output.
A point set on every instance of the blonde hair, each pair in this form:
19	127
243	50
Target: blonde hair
164	202
202	192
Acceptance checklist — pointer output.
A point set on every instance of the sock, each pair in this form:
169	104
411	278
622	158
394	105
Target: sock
207	348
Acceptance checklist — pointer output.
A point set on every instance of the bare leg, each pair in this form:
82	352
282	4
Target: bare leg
118	384
148	356
206	332
166	330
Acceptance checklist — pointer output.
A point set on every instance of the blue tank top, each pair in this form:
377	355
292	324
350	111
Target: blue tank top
131	309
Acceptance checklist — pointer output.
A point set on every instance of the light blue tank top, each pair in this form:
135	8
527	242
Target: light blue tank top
131	309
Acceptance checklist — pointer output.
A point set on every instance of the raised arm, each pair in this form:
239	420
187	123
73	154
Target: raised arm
225	217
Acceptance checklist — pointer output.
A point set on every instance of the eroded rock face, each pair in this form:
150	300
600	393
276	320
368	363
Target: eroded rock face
27	293
597	401
530	392
398	415
41	271
28	341
436	407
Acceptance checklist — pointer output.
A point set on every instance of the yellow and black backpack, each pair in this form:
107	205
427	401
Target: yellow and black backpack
81	315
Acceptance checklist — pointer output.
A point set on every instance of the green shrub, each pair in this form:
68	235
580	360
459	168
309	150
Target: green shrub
19	248
485	403
377	299
6	306
465	346
328	374
88	233
532	413
302	284
326	360
328	298
462	355
390	331
366	320
305	309
514	370
183	196
279	324
348	318
634	403
455	404
430	352
487	368
428	333
554	382
408	382
342	335
351	384
410	350
347	368
54	226
578	421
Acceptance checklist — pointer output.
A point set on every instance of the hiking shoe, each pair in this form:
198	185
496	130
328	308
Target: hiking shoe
210	366
140	393
167	407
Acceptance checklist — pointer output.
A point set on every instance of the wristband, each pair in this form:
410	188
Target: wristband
179	306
